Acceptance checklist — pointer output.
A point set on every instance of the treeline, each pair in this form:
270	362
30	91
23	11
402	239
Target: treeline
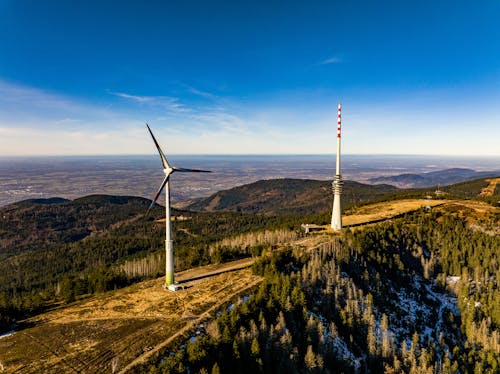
43	267
467	189
367	303
227	249
252	243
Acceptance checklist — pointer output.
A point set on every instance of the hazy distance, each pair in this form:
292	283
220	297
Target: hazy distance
75	176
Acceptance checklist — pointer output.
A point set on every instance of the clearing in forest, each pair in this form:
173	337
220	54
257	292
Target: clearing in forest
385	210
108	332
489	190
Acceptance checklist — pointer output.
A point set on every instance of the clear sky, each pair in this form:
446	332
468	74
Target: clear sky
243	77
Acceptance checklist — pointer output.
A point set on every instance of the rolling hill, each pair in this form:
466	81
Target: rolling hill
434	178
56	221
288	196
305	196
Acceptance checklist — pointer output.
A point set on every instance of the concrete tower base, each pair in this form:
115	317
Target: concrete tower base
337	205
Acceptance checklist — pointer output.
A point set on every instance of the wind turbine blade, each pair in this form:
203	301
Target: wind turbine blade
162	155
184	170
158	193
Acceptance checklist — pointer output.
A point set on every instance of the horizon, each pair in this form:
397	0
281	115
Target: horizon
333	155
239	78
138	175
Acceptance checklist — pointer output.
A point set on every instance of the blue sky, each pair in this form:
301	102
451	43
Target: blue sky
240	77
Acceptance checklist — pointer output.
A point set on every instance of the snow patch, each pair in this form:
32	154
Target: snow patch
452	279
343	351
7	334
339	345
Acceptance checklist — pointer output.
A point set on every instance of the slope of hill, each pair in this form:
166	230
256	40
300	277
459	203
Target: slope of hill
45	222
116	328
376	300
370	300
56	250
304	196
288	196
470	189
434	178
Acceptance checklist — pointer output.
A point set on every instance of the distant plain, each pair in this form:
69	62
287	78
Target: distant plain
76	176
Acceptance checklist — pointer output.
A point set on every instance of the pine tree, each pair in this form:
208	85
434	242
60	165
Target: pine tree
215	369
310	359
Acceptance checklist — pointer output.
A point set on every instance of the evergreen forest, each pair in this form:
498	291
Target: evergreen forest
382	299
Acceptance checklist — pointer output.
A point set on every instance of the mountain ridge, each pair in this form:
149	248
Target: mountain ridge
434	178
287	196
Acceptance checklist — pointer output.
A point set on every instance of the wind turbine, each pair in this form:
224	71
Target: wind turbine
169	245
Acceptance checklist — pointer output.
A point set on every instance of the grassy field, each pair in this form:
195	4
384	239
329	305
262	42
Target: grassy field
478	214
119	329
473	211
385	210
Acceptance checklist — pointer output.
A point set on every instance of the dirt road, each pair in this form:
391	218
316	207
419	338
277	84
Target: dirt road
489	190
119	329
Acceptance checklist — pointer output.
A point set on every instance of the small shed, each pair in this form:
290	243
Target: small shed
309	227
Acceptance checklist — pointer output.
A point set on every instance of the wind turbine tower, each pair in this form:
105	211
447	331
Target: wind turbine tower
337	182
169	244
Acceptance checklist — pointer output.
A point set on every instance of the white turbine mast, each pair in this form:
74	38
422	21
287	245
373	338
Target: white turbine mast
169	244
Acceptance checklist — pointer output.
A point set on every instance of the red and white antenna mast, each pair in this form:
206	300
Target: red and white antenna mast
339	124
337	180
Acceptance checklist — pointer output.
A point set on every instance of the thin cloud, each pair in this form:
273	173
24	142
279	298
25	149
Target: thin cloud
204	94
222	121
331	60
18	102
167	102
139	99
14	96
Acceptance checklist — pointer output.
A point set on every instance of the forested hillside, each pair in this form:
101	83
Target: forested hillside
55	250
288	196
434	178
303	196
376	300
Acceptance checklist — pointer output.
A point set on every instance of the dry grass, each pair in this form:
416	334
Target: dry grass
479	207
311	242
478	214
386	210
123	327
489	190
